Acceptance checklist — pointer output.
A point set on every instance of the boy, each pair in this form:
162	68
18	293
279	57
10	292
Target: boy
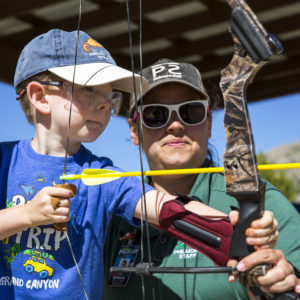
36	260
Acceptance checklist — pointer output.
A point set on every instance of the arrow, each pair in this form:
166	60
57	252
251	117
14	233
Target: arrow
101	176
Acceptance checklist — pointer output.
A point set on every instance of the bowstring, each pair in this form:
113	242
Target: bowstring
139	131
67	146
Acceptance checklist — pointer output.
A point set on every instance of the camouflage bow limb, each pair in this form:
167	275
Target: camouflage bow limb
253	48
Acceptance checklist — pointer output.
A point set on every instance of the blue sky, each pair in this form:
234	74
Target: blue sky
274	122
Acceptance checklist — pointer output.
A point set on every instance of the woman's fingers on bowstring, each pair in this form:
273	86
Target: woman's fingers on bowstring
263	232
279	278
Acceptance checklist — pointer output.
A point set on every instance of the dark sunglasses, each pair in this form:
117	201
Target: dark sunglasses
190	113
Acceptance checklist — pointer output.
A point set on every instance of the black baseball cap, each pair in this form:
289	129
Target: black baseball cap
166	70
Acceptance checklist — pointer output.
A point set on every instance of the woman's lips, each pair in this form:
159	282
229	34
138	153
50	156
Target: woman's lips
176	143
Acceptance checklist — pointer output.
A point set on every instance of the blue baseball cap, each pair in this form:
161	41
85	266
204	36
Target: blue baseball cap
55	51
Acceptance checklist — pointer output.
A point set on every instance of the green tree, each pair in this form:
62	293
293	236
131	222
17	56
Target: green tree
278	178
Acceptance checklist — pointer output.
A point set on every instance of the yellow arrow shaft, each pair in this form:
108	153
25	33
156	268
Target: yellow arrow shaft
278	166
185	171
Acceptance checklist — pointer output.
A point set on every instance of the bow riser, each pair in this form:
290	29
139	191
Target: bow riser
239	157
241	175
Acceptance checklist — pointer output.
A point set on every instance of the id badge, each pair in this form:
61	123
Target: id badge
126	258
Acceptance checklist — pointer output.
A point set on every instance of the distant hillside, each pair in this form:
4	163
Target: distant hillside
287	154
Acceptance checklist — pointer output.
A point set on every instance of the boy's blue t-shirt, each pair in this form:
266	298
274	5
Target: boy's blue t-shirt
37	263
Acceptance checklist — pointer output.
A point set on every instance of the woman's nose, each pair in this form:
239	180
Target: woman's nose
175	123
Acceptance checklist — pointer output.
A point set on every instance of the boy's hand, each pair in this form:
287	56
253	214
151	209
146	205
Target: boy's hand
41	211
263	232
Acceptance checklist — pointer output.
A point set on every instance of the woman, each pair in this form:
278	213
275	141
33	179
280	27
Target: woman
176	120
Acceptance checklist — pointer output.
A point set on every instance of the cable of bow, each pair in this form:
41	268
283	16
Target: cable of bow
67	146
140	137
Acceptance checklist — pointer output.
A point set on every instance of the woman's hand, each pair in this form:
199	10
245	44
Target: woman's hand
263	232
280	278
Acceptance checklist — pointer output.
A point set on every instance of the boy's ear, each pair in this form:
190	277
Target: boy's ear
37	96
133	131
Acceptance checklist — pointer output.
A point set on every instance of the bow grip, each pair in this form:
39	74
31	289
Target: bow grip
249	210
55	203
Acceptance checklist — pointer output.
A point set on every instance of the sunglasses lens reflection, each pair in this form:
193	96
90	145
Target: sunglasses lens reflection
157	116
192	113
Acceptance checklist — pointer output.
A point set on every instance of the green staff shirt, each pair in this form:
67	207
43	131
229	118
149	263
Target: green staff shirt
168	252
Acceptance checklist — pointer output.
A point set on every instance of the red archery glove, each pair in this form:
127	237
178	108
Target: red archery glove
210	237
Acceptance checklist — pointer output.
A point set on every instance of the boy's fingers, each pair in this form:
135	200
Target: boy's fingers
62	211
58	202
64	203
63	191
62	218
55	202
69	186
